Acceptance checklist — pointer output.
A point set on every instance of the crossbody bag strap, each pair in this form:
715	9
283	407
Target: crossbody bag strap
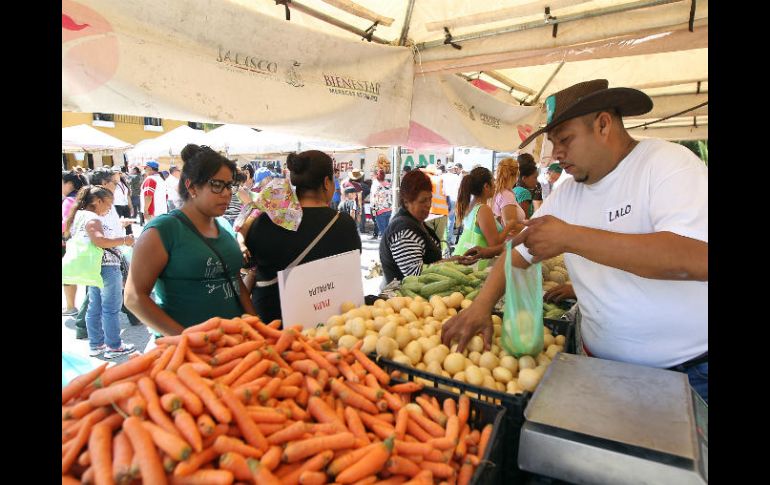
221	260
304	253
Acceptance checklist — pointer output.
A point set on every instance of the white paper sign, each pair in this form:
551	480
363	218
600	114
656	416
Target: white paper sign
314	291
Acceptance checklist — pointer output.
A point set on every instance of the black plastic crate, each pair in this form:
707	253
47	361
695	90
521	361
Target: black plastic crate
482	413
566	328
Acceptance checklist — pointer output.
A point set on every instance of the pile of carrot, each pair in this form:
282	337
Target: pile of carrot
240	401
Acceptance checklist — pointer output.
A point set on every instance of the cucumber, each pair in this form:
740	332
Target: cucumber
408	292
413	285
474	282
466	270
472	295
439	286
445	293
482	275
432	278
398	293
451	273
409	280
467	289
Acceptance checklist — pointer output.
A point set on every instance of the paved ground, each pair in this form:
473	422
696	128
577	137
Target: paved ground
140	335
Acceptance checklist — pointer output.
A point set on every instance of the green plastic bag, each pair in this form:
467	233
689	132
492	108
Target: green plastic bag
82	263
523	315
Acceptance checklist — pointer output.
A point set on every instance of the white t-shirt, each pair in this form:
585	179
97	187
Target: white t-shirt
120	194
659	186
156	186
172	187
451	185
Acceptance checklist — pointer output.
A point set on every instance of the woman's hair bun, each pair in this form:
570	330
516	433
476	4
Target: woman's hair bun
297	164
190	151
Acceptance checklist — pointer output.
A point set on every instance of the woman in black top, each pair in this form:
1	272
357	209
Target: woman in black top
408	243
273	248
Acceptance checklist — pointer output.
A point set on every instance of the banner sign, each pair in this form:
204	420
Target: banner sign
314	291
221	62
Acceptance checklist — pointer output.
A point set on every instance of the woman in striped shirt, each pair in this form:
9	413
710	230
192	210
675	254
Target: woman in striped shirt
408	243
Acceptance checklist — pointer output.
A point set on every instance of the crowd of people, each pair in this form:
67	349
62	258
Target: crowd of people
215	235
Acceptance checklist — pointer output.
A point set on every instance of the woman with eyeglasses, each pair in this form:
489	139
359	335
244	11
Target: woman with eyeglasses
171	256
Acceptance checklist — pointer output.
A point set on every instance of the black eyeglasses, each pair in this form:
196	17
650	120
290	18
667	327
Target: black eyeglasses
217	186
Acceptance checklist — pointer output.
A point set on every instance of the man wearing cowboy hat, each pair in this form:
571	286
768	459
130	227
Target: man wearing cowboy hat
354	181
633	227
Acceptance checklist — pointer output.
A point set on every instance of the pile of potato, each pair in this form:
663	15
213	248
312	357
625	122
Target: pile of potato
407	330
554	272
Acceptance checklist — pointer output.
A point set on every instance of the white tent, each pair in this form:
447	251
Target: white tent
312	75
167	145
242	140
83	138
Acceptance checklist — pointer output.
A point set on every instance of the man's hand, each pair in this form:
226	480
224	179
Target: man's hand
545	237
465	325
559	293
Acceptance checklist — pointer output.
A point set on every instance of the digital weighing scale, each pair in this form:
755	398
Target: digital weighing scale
603	422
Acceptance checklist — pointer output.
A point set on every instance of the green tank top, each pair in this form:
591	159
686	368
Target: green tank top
192	288
472	236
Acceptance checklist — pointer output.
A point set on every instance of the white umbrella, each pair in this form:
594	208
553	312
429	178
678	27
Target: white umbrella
169	144
83	138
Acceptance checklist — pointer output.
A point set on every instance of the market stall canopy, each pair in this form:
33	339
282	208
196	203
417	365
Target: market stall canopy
167	145
203	60
243	140
83	138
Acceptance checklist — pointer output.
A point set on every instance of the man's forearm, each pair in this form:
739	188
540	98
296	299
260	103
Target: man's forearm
493	288
660	255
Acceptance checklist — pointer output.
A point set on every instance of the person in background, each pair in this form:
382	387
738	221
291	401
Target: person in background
354	180
552	175
172	188
188	278
135	184
451	181
337	193
122	195
438	202
236	204
408	243
349	205
526	183
504	205
479	225
153	198
405	170
381	201
634	242
71	183
312	175
94	202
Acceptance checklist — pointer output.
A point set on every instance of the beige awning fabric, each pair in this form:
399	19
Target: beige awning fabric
242	61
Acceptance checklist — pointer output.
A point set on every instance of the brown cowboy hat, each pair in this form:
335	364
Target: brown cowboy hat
590	97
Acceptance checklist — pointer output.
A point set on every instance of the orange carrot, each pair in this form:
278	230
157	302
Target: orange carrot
266	416
187	427
170	402
100	453
297	450
170	382
154	410
313	387
372	463
382	377
323	378
443	443
435	455
462	445
269	428
439	470
425	477
427	424
272	458
296	411
401	421
431	410
290	433
450	407
231	353
247	363
355	425
416	430
79	383
323	413
371	393
263	367
192	357
319	359
347	372
474	437
235	463
261	474
122	454
209	324
398	465
412	448
308	477
150	465
318	462
394	402
466	473
348	459
206	425
292	356
137	405
88	476
170	443
93	417
163	360
463	409
359	370
248	427
231	340
397	480
484	440
407	387
79	410
269	389
201	368
221	370
132	366
285	340
204	477
293	379
69	480
352	398
196	460
108	395
453	428
223	444
386	417
196	384
306	366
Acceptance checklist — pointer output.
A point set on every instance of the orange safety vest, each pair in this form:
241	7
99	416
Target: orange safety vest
439	203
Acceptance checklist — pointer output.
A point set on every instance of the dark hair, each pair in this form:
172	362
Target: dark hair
101	175
471	184
77	180
85	198
414	182
172	169
380	175
527	165
200	164
136	170
309	169
249	168
407	168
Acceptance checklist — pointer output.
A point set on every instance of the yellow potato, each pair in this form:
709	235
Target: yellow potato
369	324
335	320
403	337
347	306
389	330
435	354
543	359
526	362
347	341
465	304
474	376
380	303
475	357
476	344
485	371
553	350
386	347
547	340
489	360
396	303
501	374
560	339
380	322
497	320
427	309
389	311
452	312
489	383
436	341
378	312
435	368
408	315
420	365
415	308
460	376
528	379
454	363
455	300
500	386
355	313
510	363
420	299
336	332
